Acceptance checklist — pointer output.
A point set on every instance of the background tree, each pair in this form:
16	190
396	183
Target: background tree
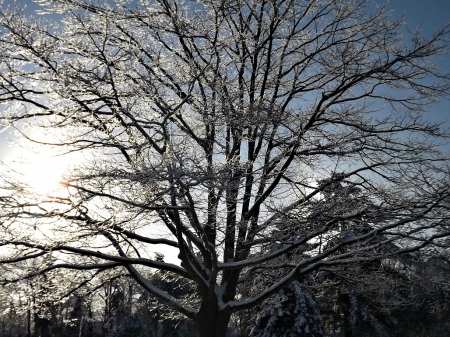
13	319
206	125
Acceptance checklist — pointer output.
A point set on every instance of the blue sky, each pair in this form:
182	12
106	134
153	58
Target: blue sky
430	15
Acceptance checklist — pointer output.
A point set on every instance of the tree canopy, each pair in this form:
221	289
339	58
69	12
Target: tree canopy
257	139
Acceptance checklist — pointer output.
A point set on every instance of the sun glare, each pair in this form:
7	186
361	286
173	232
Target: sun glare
44	175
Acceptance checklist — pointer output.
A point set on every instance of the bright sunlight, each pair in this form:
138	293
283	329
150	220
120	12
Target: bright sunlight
41	168
44	175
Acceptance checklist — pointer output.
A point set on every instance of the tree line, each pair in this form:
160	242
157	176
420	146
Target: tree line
375	301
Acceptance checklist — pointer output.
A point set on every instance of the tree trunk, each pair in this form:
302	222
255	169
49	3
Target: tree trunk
28	323
213	323
41	326
344	303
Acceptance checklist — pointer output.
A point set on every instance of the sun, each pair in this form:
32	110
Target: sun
42	170
44	175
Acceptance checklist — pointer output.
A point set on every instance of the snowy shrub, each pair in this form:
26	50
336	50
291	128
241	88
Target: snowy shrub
132	326
290	313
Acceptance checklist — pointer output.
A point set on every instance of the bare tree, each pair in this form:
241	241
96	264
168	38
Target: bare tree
225	123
